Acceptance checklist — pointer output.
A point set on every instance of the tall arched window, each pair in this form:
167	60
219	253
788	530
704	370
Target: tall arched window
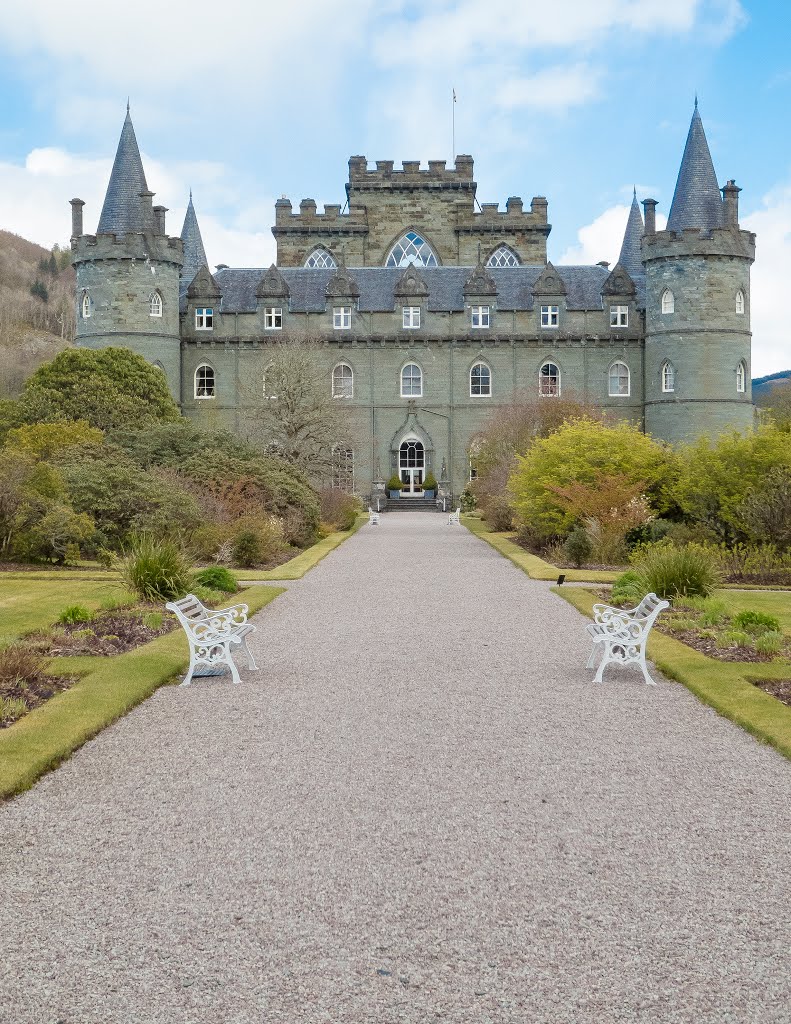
411	248
668	377
740	301
155	304
668	301
411	381
343	381
503	257
480	381
87	305
320	259
619	380
741	377
549	380
205	384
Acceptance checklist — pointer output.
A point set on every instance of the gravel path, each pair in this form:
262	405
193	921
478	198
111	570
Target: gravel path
420	810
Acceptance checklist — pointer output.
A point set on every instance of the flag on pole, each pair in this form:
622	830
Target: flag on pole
454	95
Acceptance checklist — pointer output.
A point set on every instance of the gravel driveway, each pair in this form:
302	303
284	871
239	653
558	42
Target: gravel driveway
419	810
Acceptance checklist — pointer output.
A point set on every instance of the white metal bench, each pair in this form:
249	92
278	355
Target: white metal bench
211	634
454	519
373	517
622	634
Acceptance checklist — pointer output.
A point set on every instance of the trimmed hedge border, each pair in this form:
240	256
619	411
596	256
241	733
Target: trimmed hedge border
49	734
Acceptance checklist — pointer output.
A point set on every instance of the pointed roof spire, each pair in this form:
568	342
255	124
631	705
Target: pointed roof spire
630	257
697	202
194	253
123	208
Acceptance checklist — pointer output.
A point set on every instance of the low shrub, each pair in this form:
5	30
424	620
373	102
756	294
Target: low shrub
627	588
75	613
498	514
770	642
156	570
669	572
211	598
756	622
217	578
20	662
734	638
394	483
468	502
430	483
339	508
577	547
247	549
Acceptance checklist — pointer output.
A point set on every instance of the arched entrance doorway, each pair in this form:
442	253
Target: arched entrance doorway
412	466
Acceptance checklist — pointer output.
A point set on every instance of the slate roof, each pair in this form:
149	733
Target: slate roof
697	202
630	257
123	208
194	253
446	287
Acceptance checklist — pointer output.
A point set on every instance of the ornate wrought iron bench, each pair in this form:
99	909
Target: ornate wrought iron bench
373	517
211	634
454	519
622	634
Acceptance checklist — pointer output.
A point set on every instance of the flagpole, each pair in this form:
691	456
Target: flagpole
453	121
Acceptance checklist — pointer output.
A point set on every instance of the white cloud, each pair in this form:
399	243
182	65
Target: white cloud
554	89
601	239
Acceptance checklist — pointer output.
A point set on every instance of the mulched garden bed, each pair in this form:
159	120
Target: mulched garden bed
779	688
709	647
107	634
25	682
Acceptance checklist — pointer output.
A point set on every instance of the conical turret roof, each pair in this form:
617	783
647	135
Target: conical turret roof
631	257
697	202
194	253
123	208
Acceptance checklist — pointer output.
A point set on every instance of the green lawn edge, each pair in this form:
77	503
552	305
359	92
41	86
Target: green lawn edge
49	734
296	568
721	685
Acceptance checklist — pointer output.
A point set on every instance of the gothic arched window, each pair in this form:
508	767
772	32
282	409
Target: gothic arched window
320	259
668	301
549	380
155	304
87	306
668	377
343	381
480	381
205	384
740	301
411	381
411	248
741	377
503	257
619	380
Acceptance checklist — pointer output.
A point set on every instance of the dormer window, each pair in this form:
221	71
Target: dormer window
320	259
155	304
410	317
740	302
410	249
479	316
273	318
503	257
549	316
619	316
342	318
668	301
204	318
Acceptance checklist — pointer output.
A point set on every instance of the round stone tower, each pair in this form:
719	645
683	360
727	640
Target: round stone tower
128	272
697	331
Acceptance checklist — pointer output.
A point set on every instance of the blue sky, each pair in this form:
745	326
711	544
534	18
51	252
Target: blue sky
246	101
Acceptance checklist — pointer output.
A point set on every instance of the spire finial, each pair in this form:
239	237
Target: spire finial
696	100
127	104
190	193
634	192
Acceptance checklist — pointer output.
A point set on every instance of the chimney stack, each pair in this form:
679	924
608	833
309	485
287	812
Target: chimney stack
76	217
649	205
730	196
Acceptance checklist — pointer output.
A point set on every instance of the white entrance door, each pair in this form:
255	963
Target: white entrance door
411	463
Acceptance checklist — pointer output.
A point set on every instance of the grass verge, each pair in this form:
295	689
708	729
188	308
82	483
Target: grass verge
721	685
110	688
296	568
27	605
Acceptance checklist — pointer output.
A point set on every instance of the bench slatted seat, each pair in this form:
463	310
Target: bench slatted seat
454	519
373	517
622	634
211	634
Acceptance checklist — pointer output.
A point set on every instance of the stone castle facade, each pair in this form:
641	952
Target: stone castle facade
430	310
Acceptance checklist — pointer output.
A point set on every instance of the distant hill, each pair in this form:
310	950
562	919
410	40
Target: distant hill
762	386
36	308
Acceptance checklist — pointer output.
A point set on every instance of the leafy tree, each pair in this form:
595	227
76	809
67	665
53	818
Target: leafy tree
46	440
583	451
54	533
765	514
608	507
39	290
779	406
109	388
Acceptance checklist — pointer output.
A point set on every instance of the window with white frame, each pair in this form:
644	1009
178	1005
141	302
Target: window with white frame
204	318
155	304
411	316
619	380
320	259
741	377
740	301
343	468
549	380
273	318
549	316
87	306
668	301
411	381
342	317
480	381
619	316
205	383
503	257
479	316
343	381
668	377
411	248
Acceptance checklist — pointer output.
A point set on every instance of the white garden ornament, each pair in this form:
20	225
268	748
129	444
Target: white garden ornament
622	634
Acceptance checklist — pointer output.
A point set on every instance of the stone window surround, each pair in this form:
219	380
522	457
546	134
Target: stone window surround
740	302
741	378
273	318
342	383
479	317
155	304
205	382
503	256
87	306
619	316
341	318
614	374
204	318
414	381
321	259
668	377
668	301
410	317
484	380
550	317
415	251
549	381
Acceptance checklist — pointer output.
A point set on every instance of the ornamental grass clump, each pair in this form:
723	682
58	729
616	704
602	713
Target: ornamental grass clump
770	642
156	570
669	572
217	578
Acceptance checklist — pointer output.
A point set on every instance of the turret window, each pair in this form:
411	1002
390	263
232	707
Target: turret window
741	378
480	381
409	249
205	385
549	316
549	380
479	316
87	306
320	259
273	318
410	316
740	301
503	257
668	301
411	381
619	316
204	318
668	377
619	380
343	381
155	304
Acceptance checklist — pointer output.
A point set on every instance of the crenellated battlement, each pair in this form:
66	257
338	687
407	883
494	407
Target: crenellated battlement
159	248
309	219
513	218
696	242
385	176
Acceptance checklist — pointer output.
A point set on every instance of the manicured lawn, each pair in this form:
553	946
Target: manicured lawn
31	604
777	603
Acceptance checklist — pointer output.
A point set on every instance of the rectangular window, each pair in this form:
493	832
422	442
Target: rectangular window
204	318
480	316
273	318
342	318
549	316
411	316
619	316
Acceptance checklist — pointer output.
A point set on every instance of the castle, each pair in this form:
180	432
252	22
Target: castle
430	312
